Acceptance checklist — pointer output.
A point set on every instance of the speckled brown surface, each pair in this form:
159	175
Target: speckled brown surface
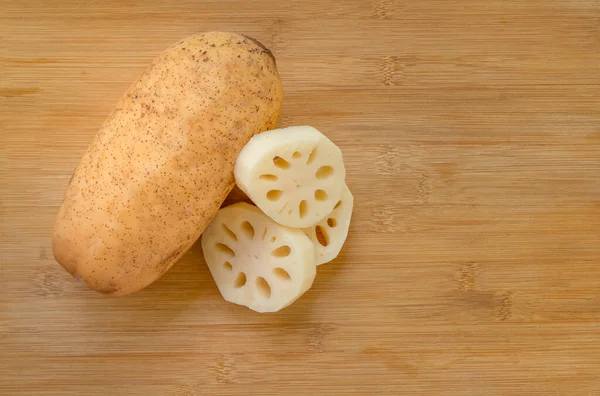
162	163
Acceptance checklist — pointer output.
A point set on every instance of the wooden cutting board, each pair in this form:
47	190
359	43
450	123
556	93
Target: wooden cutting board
471	134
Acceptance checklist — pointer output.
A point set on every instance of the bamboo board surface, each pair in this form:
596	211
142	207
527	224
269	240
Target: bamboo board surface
471	135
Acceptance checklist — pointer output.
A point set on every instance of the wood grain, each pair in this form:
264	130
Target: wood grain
471	134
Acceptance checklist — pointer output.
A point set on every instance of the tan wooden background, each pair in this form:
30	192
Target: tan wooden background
471	134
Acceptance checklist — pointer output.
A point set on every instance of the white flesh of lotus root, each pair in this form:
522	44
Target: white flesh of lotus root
295	175
255	261
333	229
